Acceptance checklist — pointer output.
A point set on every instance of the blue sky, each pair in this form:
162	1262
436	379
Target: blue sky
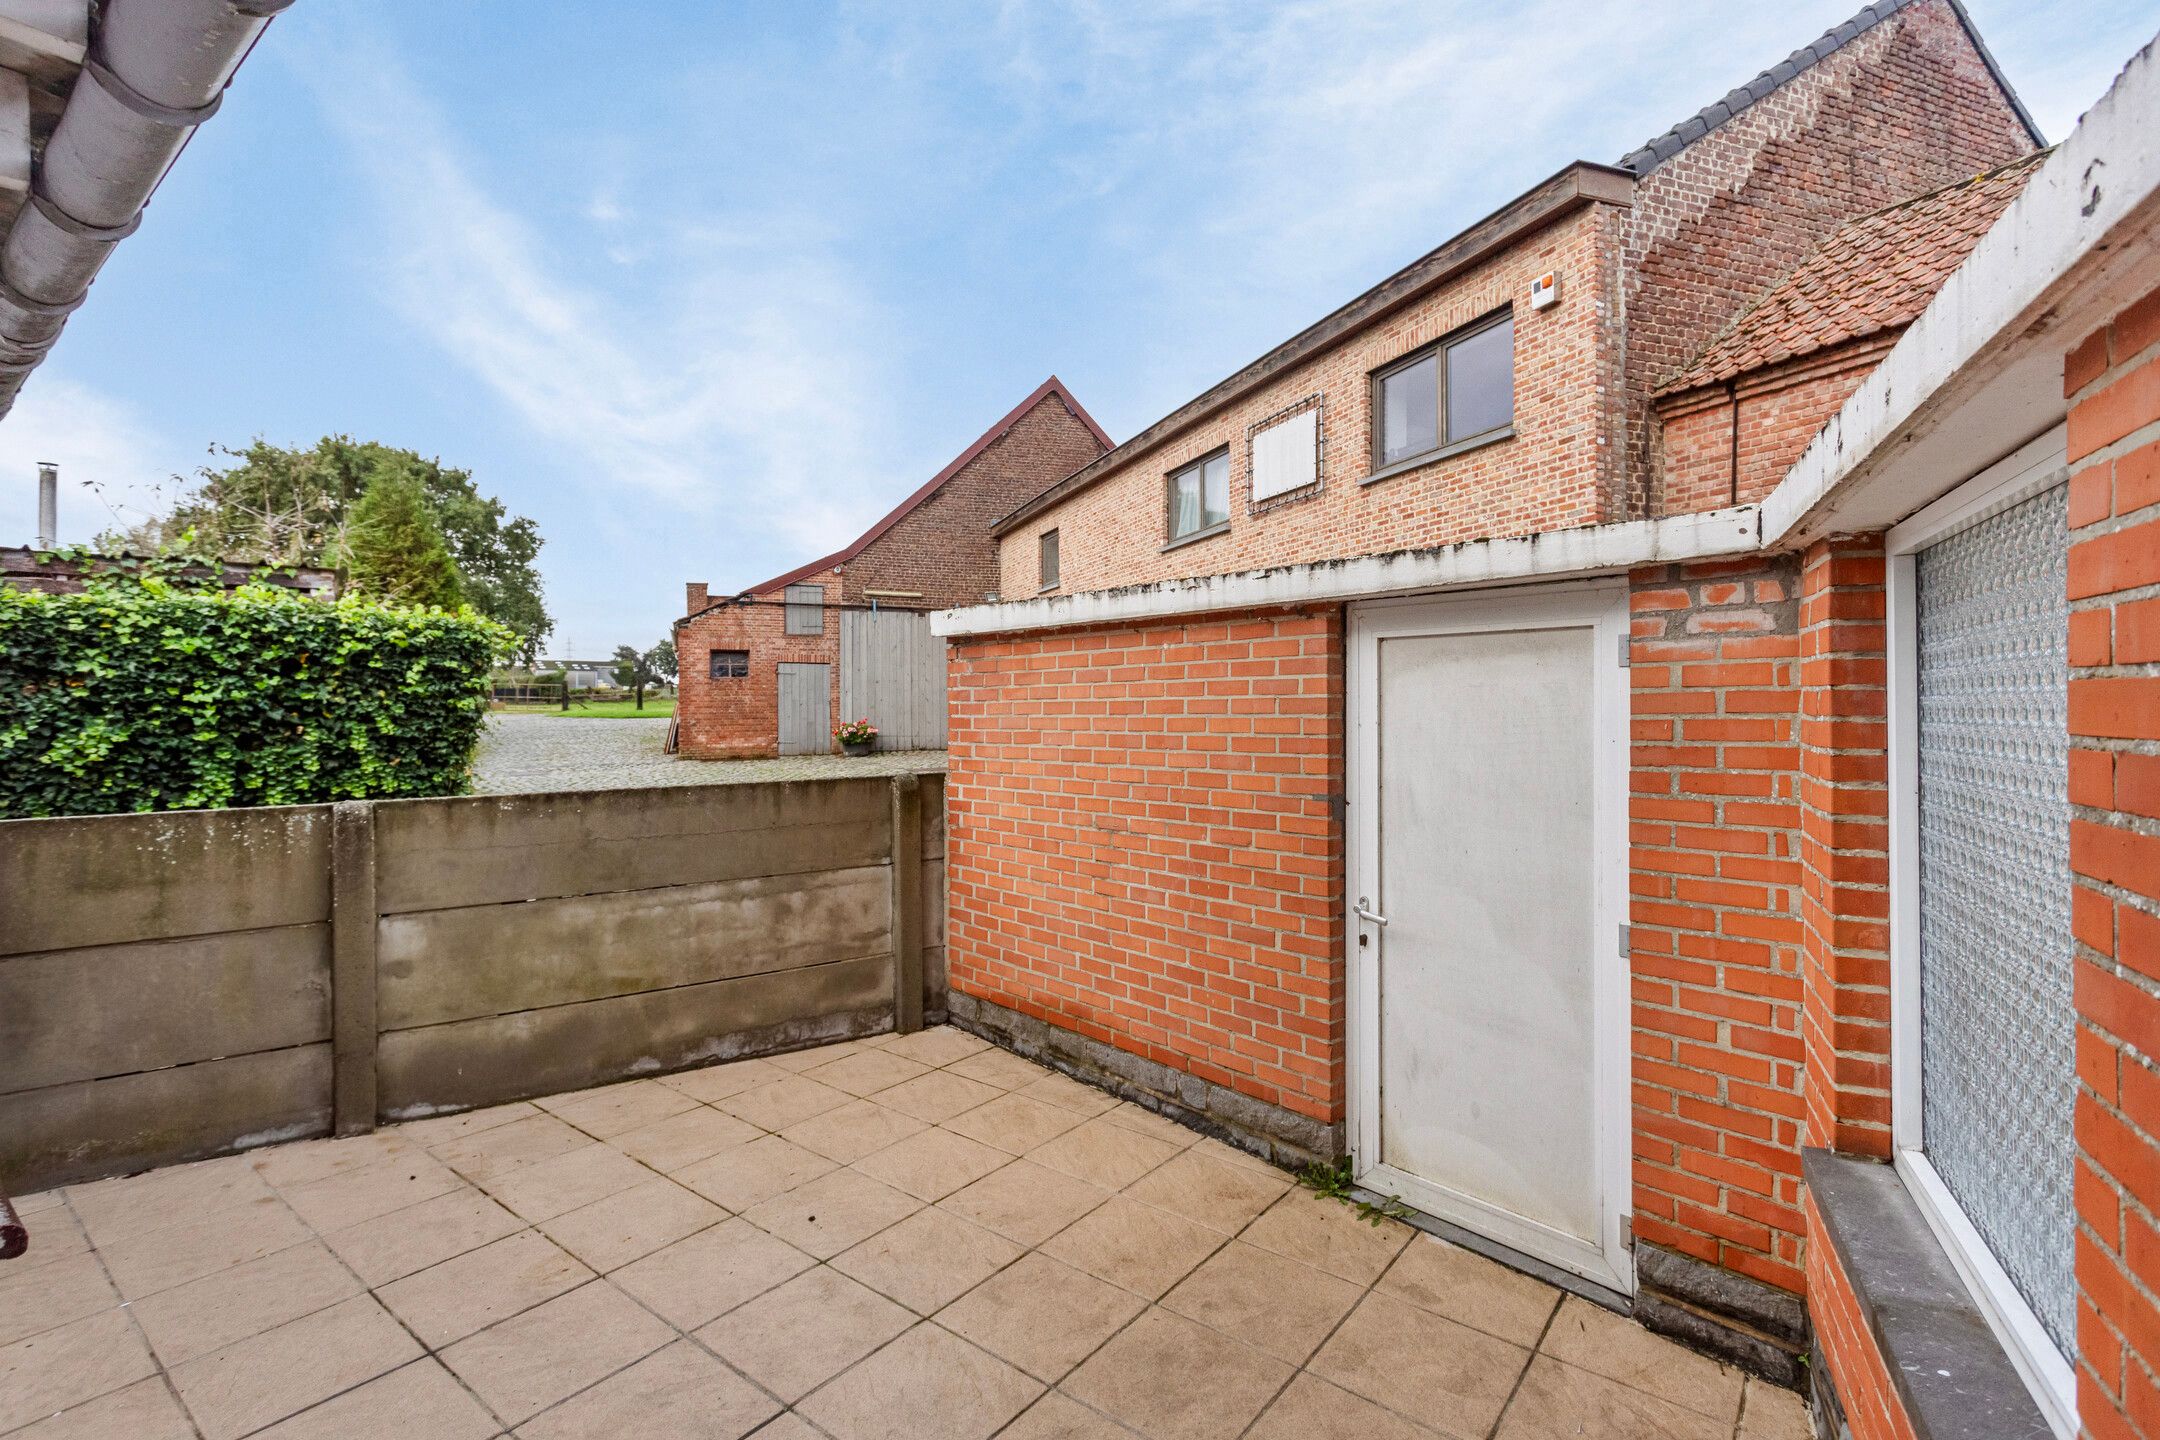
706	293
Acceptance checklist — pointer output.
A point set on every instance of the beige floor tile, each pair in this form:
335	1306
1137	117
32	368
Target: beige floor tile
1174	1380
1219	1194
362	1193
406	1242
288	1166
1147	1122
613	1110
1557	1399
1001	1068
1328	1235
441	1129
1770	1413
112	1210
551	1187
1312	1409
608	1234
933	1163
503	1148
1594	1339
1057	1417
832	1212
530	1361
1014	1123
78	1361
1069	1094
1271	1303
927	1260
1430	1369
712	1272
793	1339
420	1401
1134	1245
716	1082
147	1262
245	1386
1104	1154
145	1410
925	1383
685	1139
940	1045
55	1234
788	1426
1041	1315
679	1393
852	1131
740	1177
1449	1280
452	1300
52	1295
784	1102
217	1310
1025	1202
797	1061
865	1072
938	1095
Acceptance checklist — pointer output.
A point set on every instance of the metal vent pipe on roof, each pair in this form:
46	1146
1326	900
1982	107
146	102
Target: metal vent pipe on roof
157	69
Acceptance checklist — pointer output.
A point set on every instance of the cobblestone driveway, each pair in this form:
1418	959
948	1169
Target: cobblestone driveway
533	754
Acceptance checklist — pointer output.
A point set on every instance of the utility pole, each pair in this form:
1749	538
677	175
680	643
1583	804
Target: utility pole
48	504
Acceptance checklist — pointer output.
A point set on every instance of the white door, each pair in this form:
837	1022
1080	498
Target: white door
1489	1035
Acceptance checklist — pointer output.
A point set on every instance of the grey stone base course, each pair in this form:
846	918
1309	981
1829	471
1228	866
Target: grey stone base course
1759	1328
1275	1134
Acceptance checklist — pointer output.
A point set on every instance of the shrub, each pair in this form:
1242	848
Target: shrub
140	695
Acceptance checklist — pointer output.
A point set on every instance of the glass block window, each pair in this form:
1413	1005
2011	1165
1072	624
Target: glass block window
1997	1021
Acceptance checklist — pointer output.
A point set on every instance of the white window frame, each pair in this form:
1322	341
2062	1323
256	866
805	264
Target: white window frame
2027	471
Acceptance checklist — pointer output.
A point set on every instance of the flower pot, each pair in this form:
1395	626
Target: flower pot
857	747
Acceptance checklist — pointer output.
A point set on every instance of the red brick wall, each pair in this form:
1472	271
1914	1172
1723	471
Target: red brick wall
1844	845
1715	878
2113	381
739	719
1703	464
1864	1384
1905	108
1142	848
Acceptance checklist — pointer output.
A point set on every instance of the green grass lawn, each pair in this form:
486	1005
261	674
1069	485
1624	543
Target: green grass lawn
657	707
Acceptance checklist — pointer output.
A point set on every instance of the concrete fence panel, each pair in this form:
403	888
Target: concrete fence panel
182	985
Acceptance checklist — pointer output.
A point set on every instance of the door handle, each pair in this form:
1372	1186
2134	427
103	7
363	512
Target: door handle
1370	916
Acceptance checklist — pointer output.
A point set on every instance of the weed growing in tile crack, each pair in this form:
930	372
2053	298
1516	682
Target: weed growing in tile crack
1335	1182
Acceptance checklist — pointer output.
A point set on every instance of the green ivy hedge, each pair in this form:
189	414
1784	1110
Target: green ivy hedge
141	695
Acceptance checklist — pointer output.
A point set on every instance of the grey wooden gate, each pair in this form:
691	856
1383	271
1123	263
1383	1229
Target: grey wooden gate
805	709
892	669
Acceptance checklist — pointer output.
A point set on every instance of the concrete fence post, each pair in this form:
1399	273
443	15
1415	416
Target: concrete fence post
352	966
907	905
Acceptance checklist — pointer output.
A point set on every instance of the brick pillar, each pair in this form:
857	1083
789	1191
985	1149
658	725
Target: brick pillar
2113	382
1844	845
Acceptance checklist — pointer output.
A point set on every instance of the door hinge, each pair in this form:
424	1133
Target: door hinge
1624	946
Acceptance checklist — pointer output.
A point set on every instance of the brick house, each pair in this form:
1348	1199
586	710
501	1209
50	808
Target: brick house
1446	603
932	551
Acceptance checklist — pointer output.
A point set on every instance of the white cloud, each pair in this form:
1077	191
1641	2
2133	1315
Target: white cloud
115	469
733	381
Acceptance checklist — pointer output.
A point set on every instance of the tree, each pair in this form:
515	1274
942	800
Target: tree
394	547
636	673
661	658
294	507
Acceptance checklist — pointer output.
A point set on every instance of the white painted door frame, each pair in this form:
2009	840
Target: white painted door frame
1601	605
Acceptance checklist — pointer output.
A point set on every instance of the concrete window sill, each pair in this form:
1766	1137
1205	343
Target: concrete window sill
1952	1375
1197	536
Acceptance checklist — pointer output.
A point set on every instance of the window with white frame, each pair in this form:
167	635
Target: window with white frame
1198	497
1455	392
1983	1015
805	610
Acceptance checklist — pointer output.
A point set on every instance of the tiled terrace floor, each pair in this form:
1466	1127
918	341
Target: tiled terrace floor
912	1237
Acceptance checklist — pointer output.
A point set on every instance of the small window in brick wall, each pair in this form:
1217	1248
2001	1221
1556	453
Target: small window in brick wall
805	609
730	664
1047	560
1455	392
